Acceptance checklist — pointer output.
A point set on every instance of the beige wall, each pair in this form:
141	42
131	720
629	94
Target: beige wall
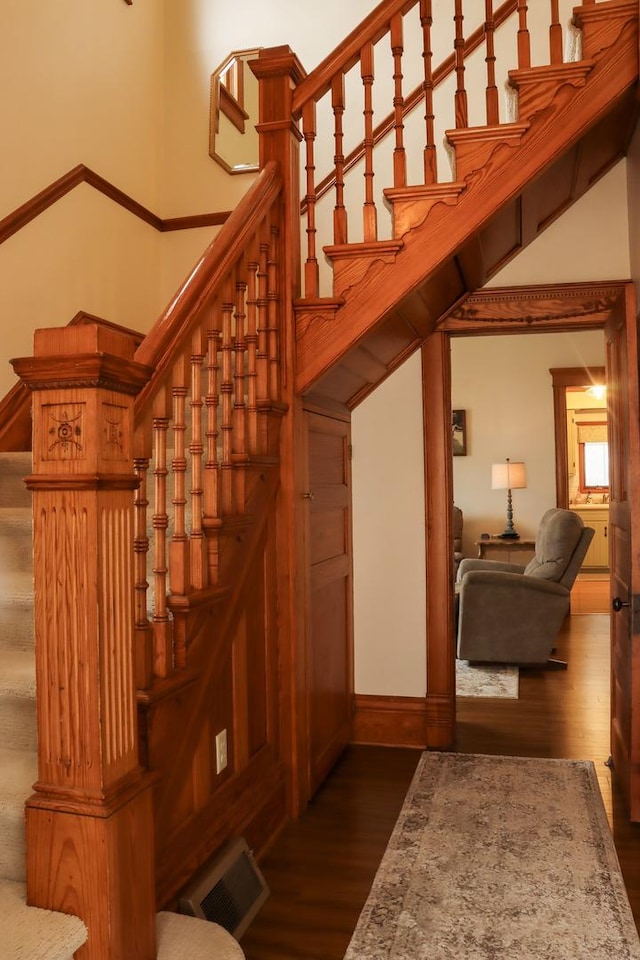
504	385
81	84
125	91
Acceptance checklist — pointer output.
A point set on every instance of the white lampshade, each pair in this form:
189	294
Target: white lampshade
508	476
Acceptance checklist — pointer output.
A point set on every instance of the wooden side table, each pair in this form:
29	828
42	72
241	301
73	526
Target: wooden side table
496	544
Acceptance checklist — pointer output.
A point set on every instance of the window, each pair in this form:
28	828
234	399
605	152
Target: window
596	466
593	457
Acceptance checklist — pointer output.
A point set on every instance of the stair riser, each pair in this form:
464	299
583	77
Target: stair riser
16	623
14	467
12	845
18	723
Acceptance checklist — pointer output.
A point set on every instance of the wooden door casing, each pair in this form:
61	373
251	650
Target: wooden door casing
624	530
330	622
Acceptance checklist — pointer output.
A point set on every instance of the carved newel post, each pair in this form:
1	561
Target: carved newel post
90	821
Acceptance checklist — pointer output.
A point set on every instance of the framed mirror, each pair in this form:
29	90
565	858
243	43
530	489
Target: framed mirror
233	139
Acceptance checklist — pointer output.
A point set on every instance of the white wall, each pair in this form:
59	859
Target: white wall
504	385
389	537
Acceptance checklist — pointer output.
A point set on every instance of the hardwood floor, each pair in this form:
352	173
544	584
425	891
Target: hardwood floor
320	868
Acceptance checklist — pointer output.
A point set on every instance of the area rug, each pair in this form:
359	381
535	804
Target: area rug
498	858
486	680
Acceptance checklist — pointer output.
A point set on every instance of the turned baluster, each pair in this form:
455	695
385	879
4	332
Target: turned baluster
369	214
555	34
252	350
272	313
339	211
399	154
262	353
493	116
226	394
524	40
461	109
211	520
239	354
179	546
162	654
143	640
430	159
311	272
239	433
196	449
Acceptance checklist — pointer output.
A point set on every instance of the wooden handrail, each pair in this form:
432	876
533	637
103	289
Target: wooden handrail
175	323
317	83
32	208
444	70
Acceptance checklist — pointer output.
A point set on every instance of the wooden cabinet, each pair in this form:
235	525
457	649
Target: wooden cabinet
597	557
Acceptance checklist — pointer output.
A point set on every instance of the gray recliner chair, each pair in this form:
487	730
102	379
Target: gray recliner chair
509	613
458	522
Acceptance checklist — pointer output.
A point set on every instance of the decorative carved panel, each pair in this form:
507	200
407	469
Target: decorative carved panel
63	431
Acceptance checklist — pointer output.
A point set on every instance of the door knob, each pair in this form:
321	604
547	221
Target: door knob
308	496
618	604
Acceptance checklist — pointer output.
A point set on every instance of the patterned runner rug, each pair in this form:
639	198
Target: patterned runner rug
498	858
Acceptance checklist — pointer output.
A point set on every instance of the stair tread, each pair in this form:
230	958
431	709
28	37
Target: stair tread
17	673
188	938
19	773
30	933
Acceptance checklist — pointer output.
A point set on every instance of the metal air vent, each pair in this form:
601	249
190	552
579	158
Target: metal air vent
229	890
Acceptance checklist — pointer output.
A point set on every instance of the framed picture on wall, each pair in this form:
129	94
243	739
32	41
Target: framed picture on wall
459	432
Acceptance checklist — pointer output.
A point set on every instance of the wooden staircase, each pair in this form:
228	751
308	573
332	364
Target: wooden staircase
175	470
511	180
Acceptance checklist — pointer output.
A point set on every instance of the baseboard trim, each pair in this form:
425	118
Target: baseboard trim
424	722
390	721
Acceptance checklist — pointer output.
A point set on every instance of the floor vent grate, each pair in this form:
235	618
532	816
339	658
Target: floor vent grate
229	890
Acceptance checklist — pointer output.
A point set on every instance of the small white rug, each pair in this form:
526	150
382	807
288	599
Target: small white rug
487	680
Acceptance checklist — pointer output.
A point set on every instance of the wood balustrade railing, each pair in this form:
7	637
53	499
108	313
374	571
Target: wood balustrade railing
202	419
138	464
378	58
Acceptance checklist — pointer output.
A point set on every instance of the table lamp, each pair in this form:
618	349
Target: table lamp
508	476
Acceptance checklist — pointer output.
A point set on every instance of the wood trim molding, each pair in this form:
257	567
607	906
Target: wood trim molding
552	307
561	378
28	211
390	721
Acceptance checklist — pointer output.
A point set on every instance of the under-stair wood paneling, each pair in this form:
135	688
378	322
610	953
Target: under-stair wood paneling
231	684
330	614
453	249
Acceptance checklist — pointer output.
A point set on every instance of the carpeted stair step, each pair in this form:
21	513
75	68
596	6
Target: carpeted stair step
14	467
19	772
188	938
16	611
16	566
29	933
17	699
16	527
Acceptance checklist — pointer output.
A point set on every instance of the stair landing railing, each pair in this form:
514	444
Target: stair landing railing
389	93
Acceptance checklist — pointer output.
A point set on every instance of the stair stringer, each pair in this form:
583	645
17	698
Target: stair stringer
322	338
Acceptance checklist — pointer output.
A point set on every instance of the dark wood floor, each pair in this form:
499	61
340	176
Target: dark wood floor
321	868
